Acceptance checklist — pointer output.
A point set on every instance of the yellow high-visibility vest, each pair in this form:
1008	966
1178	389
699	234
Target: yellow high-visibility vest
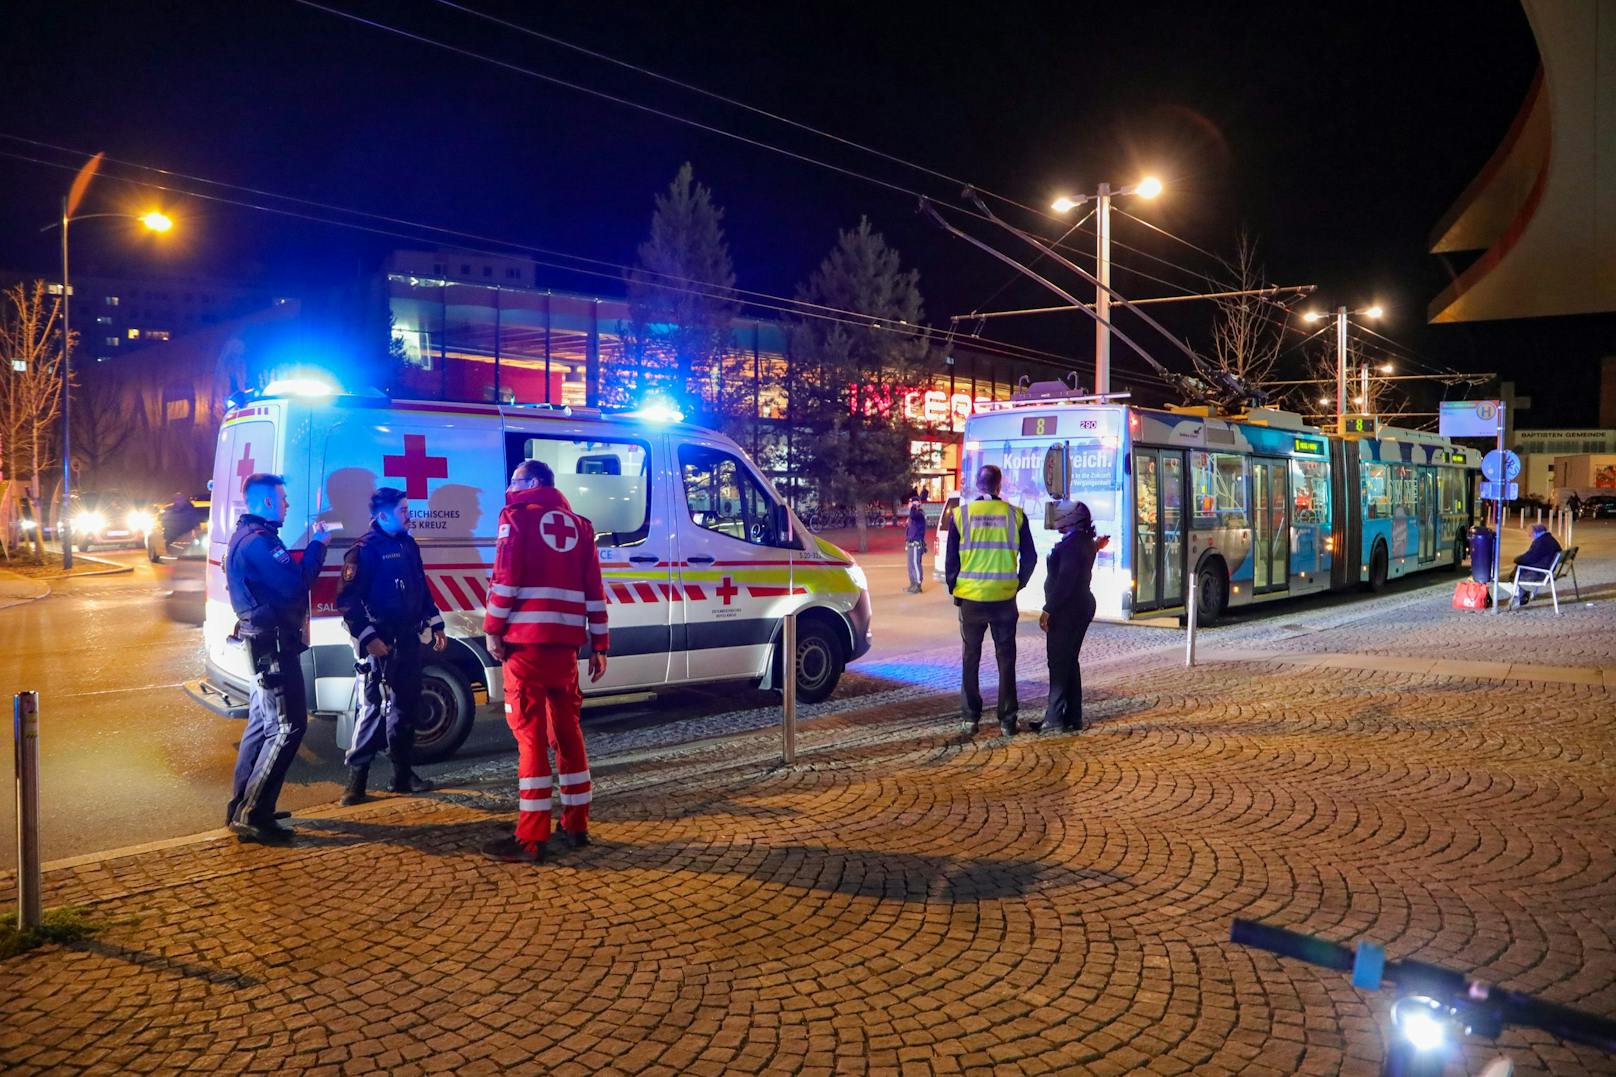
989	546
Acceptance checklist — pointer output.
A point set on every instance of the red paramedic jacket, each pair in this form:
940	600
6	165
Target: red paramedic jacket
546	586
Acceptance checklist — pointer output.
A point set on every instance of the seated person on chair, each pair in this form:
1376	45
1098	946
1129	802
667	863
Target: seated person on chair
1540	554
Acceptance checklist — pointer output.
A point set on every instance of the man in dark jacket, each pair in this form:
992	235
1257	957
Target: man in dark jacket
386	606
1068	612
1540	554
269	592
914	544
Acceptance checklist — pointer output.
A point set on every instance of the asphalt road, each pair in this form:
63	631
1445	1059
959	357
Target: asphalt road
127	757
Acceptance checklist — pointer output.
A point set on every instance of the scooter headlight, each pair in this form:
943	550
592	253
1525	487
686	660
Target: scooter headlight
1426	1024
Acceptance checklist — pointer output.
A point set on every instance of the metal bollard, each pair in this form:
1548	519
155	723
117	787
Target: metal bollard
1189	623
25	743
788	690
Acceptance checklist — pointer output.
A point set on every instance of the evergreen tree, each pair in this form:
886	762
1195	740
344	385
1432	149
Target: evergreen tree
850	438
681	296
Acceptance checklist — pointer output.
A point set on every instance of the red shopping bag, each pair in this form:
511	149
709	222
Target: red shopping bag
1470	595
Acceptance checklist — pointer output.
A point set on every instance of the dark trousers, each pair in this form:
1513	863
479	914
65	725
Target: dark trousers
1065	639
277	718
976	618
389	702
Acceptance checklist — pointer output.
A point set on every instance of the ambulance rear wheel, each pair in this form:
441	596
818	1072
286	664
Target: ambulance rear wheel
819	662
446	715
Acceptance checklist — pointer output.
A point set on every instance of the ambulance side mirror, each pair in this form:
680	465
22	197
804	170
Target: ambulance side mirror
782	525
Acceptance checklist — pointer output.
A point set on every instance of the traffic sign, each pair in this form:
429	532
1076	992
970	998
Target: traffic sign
1500	491
1470	418
1500	465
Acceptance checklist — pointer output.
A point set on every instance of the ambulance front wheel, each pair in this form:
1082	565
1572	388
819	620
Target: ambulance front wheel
447	712
819	662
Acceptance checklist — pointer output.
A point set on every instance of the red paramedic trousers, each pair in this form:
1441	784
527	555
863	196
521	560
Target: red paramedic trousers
541	703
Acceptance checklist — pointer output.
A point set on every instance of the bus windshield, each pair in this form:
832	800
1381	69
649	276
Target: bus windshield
1092	464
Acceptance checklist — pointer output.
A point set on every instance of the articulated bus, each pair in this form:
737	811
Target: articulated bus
1250	508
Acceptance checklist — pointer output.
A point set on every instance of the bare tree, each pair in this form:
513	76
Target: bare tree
31	397
1318	399
1247	336
105	419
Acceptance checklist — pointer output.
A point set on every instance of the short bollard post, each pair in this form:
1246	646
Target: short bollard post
25	743
1189	623
788	690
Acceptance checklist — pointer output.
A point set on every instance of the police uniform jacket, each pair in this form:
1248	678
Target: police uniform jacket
383	590
546	586
269	591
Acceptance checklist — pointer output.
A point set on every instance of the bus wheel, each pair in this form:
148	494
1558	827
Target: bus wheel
819	662
1377	569
1211	592
447	711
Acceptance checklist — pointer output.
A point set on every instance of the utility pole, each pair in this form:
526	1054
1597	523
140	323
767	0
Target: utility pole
64	511
1102	294
1341	370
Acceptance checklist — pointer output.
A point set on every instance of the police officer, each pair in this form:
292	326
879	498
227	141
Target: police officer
269	592
985	540
546	603
385	603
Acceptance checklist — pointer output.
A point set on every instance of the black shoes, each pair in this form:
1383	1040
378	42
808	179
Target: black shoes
511	851
1007	726
355	793
410	782
970	724
576	838
265	833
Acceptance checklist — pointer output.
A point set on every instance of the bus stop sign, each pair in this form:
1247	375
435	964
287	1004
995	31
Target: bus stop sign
1500	465
1470	418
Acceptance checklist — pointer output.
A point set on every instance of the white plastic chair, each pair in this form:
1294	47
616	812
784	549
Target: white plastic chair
1538	578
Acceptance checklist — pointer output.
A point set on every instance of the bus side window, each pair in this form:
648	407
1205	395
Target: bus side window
1229	489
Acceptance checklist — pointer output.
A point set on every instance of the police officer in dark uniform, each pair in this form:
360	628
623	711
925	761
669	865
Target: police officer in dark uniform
269	592
386	605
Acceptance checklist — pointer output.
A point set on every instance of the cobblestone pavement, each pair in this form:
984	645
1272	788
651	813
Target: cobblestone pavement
906	900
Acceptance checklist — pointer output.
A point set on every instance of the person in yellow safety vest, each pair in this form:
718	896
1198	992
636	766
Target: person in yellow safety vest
990	558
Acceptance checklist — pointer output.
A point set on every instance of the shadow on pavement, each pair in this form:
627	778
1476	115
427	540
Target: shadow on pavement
158	963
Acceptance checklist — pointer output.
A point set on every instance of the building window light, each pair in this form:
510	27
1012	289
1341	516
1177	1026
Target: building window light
112	300
112	342
157	334
134	334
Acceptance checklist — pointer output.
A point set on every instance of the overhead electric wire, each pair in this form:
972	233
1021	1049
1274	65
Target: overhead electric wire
708	128
781	305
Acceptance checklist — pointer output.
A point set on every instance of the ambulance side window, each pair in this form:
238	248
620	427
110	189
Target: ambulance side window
723	496
606	482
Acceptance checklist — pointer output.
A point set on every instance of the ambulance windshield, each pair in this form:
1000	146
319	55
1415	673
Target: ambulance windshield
606	482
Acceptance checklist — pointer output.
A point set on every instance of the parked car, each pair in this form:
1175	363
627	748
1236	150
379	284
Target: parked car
181	528
1598	508
108	519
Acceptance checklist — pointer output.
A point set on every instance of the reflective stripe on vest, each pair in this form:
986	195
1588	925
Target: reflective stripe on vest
989	533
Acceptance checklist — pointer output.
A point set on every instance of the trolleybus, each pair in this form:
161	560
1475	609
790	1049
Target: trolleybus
1246	508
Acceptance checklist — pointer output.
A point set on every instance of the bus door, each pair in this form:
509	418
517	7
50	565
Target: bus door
1271	532
1158	553
1426	506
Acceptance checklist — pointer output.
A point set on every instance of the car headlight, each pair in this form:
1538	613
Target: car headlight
89	522
856	574
139	521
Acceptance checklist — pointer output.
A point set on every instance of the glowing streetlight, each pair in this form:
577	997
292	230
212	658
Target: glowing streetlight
1312	316
1387	368
1149	187
1374	311
157	221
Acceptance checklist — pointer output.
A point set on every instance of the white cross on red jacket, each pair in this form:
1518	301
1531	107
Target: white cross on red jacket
546	585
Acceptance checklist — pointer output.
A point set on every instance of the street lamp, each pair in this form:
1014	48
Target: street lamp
156	221
1373	311
1149	187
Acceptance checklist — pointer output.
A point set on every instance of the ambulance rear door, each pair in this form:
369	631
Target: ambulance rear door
607	473
736	555
248	443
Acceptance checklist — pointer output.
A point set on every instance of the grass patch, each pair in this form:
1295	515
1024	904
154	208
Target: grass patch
69	923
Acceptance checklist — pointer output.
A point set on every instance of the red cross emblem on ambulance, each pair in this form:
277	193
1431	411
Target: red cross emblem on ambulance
558	532
415	467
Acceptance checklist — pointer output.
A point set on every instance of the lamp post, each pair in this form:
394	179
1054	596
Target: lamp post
1149	187
156	222
1341	314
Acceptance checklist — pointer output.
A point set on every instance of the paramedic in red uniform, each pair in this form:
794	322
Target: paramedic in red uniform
545	603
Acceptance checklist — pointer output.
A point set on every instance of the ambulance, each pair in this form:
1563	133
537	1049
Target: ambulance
702	559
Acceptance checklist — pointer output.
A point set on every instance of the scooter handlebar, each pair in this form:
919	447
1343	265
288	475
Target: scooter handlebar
1291	944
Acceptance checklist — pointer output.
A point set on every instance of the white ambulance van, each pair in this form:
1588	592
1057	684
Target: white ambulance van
701	558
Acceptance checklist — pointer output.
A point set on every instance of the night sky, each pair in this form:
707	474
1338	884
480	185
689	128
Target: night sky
1337	134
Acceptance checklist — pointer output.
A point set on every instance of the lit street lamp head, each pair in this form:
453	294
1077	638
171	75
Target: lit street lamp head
1374	311
157	221
1311	316
1149	187
1064	204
